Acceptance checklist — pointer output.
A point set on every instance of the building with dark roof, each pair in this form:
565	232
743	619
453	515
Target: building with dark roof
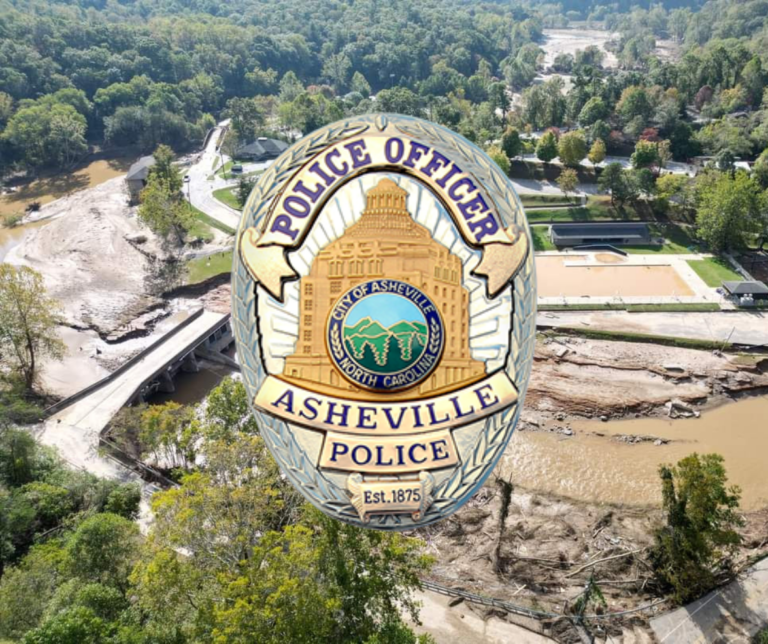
604	233
261	149
136	179
749	289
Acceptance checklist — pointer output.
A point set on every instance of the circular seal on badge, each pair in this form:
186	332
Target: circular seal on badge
383	304
385	335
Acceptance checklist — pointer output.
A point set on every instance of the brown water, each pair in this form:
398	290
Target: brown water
594	468
10	237
47	188
192	388
555	279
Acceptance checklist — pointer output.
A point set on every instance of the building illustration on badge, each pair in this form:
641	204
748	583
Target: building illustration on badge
384	309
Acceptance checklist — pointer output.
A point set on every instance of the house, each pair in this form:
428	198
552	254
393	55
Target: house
610	233
746	292
136	179
261	149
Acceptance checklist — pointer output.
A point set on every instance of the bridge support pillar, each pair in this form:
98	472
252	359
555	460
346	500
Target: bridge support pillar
165	381
190	364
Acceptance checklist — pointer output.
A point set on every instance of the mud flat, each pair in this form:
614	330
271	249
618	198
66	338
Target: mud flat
596	423
87	260
569	41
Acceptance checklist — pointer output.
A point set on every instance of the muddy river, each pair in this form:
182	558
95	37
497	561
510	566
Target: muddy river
594	468
556	279
47	188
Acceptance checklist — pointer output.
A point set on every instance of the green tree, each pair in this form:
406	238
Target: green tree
75	626
597	152
633	103
568	181
336	69
163	210
646	154
168	434
613	179
399	100
165	170
245	117
360	85
760	169
28	320
227	413
700	535
511	143
47	134
244	189
26	589
594	110
500	158
729	209
546	148
572	148
103	549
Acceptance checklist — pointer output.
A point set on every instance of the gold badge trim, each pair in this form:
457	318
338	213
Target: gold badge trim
264	251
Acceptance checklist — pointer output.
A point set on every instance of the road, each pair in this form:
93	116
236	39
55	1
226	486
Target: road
741	327
203	182
200	191
731	614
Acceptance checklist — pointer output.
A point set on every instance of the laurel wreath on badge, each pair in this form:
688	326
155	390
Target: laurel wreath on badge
471	473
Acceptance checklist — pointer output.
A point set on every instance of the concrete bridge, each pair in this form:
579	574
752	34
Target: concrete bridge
74	425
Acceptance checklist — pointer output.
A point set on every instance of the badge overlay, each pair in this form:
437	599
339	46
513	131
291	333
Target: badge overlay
384	311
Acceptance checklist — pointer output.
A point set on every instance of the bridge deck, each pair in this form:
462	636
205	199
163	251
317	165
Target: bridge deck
75	429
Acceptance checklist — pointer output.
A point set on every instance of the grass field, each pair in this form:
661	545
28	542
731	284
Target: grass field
541	239
714	271
598	208
678	242
199	270
210	221
228	197
548	200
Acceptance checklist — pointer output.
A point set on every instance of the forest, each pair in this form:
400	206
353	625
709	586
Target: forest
74	75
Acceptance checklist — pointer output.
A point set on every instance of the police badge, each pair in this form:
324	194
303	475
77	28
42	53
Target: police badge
384	311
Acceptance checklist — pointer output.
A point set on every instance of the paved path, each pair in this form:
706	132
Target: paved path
732	614
741	327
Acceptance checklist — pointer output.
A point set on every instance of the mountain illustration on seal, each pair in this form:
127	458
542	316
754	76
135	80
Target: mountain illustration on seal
385	349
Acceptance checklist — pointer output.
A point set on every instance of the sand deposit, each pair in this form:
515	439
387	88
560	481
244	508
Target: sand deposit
87	260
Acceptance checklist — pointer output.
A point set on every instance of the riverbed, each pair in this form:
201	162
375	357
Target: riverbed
599	468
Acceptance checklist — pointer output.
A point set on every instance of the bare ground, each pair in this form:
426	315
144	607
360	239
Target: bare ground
550	547
87	260
577	377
